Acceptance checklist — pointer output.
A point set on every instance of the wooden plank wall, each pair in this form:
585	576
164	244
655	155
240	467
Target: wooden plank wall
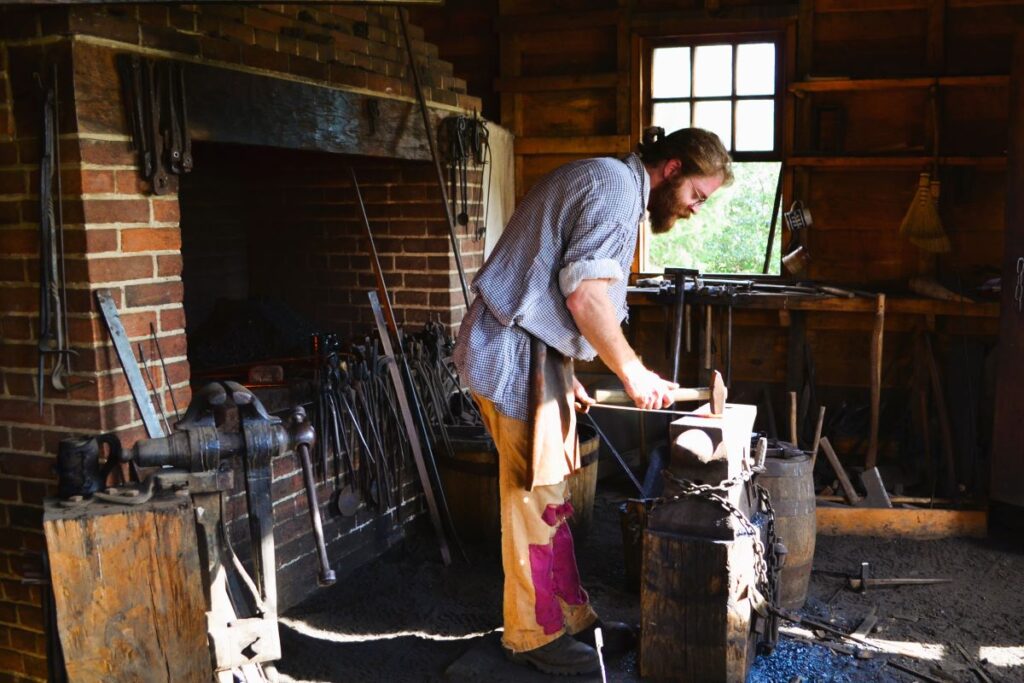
568	89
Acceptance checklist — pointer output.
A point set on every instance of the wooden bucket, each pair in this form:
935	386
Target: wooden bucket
791	486
470	481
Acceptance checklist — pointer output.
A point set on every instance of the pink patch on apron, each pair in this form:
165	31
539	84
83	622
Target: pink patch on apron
554	571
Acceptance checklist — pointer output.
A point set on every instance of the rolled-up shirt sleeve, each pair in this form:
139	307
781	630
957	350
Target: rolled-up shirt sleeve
570	277
594	252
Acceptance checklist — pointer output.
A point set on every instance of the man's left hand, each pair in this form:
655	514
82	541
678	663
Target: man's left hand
583	399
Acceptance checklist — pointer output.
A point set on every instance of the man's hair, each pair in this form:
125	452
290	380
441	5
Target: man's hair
700	151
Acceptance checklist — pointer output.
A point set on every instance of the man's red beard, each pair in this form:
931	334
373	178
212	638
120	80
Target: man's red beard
664	207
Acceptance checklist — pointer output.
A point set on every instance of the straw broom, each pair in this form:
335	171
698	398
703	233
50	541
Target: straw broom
922	224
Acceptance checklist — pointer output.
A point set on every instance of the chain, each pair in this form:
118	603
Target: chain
767	576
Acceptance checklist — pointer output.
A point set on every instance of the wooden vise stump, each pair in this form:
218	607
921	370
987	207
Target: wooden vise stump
130	591
698	561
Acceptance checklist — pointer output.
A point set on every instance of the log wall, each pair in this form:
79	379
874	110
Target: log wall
569	86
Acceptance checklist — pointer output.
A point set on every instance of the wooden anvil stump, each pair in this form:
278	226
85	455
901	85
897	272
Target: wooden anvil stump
699	561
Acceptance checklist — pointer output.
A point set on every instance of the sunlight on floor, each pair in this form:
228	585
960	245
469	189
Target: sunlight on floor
305	629
1005	655
908	648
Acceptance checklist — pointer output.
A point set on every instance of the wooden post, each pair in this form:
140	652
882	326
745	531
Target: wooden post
794	435
844	481
876	381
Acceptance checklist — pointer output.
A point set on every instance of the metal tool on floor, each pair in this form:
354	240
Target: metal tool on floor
863	581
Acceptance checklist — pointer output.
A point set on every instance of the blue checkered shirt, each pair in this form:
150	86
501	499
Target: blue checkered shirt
579	222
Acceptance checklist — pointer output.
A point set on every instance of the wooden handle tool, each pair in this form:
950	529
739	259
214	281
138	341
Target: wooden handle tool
715	394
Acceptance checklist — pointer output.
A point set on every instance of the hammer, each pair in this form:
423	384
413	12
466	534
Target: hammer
716	394
862	582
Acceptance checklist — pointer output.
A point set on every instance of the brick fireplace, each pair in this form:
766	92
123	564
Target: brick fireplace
278	102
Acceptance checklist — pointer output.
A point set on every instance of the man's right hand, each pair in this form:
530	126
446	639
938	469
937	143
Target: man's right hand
646	388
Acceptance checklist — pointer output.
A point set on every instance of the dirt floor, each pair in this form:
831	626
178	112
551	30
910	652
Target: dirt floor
407	618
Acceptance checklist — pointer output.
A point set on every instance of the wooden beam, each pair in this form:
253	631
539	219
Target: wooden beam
905	306
874	162
877	335
828	6
514	84
587	144
935	46
242	108
700	21
852	84
912	523
557	21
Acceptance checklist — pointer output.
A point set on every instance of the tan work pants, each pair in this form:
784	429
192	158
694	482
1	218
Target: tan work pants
542	598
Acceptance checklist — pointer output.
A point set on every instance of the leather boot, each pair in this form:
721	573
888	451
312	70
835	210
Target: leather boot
564	656
619	638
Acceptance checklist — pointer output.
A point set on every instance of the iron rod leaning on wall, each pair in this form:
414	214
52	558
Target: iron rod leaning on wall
422	452
433	153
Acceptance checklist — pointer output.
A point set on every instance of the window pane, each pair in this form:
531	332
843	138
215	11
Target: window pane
712	73
671	115
670	72
755	126
755	69
716	117
729	233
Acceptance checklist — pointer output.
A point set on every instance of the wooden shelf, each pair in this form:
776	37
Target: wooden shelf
852	84
896	162
893	305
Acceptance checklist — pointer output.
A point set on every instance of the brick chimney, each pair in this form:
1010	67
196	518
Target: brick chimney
280	108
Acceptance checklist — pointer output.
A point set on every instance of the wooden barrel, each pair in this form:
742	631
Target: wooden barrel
582	484
791	486
470	481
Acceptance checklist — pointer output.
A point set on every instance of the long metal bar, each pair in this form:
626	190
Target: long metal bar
611	406
131	369
775	218
396	378
157	398
433	154
163	367
618	456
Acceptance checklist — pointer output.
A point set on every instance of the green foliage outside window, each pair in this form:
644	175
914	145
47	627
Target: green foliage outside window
730	232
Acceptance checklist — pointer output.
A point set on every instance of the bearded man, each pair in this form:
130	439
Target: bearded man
554	290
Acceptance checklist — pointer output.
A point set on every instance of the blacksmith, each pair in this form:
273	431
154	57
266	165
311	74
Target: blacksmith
554	290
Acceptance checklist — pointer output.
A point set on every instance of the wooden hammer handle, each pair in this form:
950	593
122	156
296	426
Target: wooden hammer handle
619	397
716	394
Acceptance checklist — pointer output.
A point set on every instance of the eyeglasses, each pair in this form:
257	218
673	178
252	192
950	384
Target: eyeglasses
701	197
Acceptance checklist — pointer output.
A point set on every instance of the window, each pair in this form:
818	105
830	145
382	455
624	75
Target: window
732	88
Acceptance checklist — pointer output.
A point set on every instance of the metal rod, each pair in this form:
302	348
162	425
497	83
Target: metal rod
326	576
433	154
608	406
677	330
163	369
385	317
775	218
158	399
625	467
